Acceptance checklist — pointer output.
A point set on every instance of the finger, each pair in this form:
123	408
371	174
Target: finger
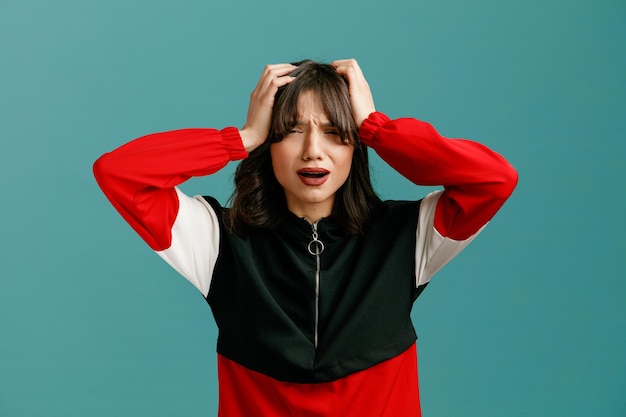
272	84
338	62
347	66
275	76
277	70
272	71
281	81
351	71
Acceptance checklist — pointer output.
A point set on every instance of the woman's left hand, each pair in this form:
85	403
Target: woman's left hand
360	94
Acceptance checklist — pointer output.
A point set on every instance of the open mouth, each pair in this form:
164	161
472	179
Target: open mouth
308	174
313	172
313	176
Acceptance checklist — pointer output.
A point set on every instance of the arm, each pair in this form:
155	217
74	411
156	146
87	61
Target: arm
139	177
140	180
476	180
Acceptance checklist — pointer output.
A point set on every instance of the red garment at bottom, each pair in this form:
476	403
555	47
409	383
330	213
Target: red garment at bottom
388	389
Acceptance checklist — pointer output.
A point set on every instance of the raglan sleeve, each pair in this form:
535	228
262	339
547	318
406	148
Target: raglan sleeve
476	182
140	180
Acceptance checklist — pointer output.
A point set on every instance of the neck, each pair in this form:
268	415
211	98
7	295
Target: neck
311	214
312	211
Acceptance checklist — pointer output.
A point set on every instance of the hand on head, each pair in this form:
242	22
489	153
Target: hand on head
259	118
360	94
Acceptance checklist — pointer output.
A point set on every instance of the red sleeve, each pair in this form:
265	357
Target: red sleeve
139	177
477	180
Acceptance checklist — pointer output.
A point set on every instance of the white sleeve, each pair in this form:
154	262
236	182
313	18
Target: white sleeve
432	250
195	241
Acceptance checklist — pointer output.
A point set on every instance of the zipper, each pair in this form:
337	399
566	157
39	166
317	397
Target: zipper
315	248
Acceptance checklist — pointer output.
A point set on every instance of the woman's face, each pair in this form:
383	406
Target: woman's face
311	162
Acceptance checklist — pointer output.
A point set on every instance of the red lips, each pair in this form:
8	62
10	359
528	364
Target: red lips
313	176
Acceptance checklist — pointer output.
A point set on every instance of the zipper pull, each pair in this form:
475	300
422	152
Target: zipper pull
315	246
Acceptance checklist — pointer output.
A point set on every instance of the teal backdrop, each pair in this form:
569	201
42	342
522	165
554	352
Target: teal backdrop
530	320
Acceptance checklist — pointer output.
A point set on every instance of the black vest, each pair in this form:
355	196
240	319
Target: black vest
269	306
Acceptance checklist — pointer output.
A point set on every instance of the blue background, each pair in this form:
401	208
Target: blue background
530	320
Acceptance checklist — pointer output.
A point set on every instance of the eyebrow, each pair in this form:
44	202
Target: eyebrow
329	124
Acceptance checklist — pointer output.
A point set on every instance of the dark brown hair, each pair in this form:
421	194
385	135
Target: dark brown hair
259	200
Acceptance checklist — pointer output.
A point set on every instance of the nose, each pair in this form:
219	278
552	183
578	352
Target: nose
313	147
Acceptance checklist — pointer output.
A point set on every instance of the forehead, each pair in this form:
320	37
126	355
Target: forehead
310	106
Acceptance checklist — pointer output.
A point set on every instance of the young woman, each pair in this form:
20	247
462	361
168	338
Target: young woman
310	277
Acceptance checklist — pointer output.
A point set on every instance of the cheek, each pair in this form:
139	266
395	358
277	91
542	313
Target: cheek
280	152
279	161
345	161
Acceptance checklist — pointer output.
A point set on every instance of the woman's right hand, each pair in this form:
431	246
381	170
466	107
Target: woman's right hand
259	119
